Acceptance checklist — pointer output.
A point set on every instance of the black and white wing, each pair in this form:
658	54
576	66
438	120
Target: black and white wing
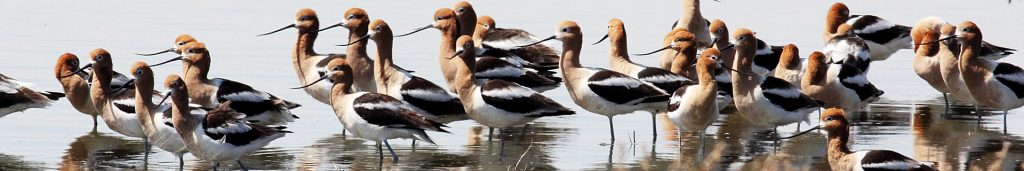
888	160
840	48
386	111
663	79
766	59
514	98
490	68
430	97
783	94
247	100
511	39
993	52
623	89
856	80
878	30
1011	76
226	125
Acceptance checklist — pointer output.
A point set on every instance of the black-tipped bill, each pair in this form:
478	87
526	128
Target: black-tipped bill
331	26
80	70
457	53
168	61
656	51
367	36
538	42
801	133
326	76
166	95
417	30
278	30
602	39
936	41
727	47
157	53
123	88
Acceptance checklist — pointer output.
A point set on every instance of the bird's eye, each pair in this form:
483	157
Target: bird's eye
966	29
679	39
565	30
714	57
487	25
181	43
336	68
461	10
377	28
138	72
351	16
99	57
742	38
75	63
438	18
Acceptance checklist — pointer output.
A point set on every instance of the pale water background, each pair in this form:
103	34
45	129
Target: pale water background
909	119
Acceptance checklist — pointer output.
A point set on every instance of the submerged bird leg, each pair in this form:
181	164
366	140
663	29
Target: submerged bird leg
241	165
654	125
611	129
679	139
946	99
501	146
526	127
181	161
394	157
490	131
380	152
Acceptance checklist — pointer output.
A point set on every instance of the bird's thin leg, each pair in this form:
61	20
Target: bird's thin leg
611	129
241	165
393	155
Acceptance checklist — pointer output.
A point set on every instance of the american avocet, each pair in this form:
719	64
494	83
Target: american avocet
427	98
356	21
498	103
503	42
75	87
719	39
155	118
988	50
446	22
219	135
845	45
16	96
669	55
993	84
789	67
884	38
840	157
116	109
764	101
374	116
693	107
723	77
603	91
258	106
662	78
694	22
308	64
949	66
179	41
926	59
467	18
837	85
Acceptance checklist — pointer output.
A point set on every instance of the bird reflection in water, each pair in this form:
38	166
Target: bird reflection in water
102	151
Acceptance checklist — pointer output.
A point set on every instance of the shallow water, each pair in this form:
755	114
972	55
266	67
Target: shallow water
910	118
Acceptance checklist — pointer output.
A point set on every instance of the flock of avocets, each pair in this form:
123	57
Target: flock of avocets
495	76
